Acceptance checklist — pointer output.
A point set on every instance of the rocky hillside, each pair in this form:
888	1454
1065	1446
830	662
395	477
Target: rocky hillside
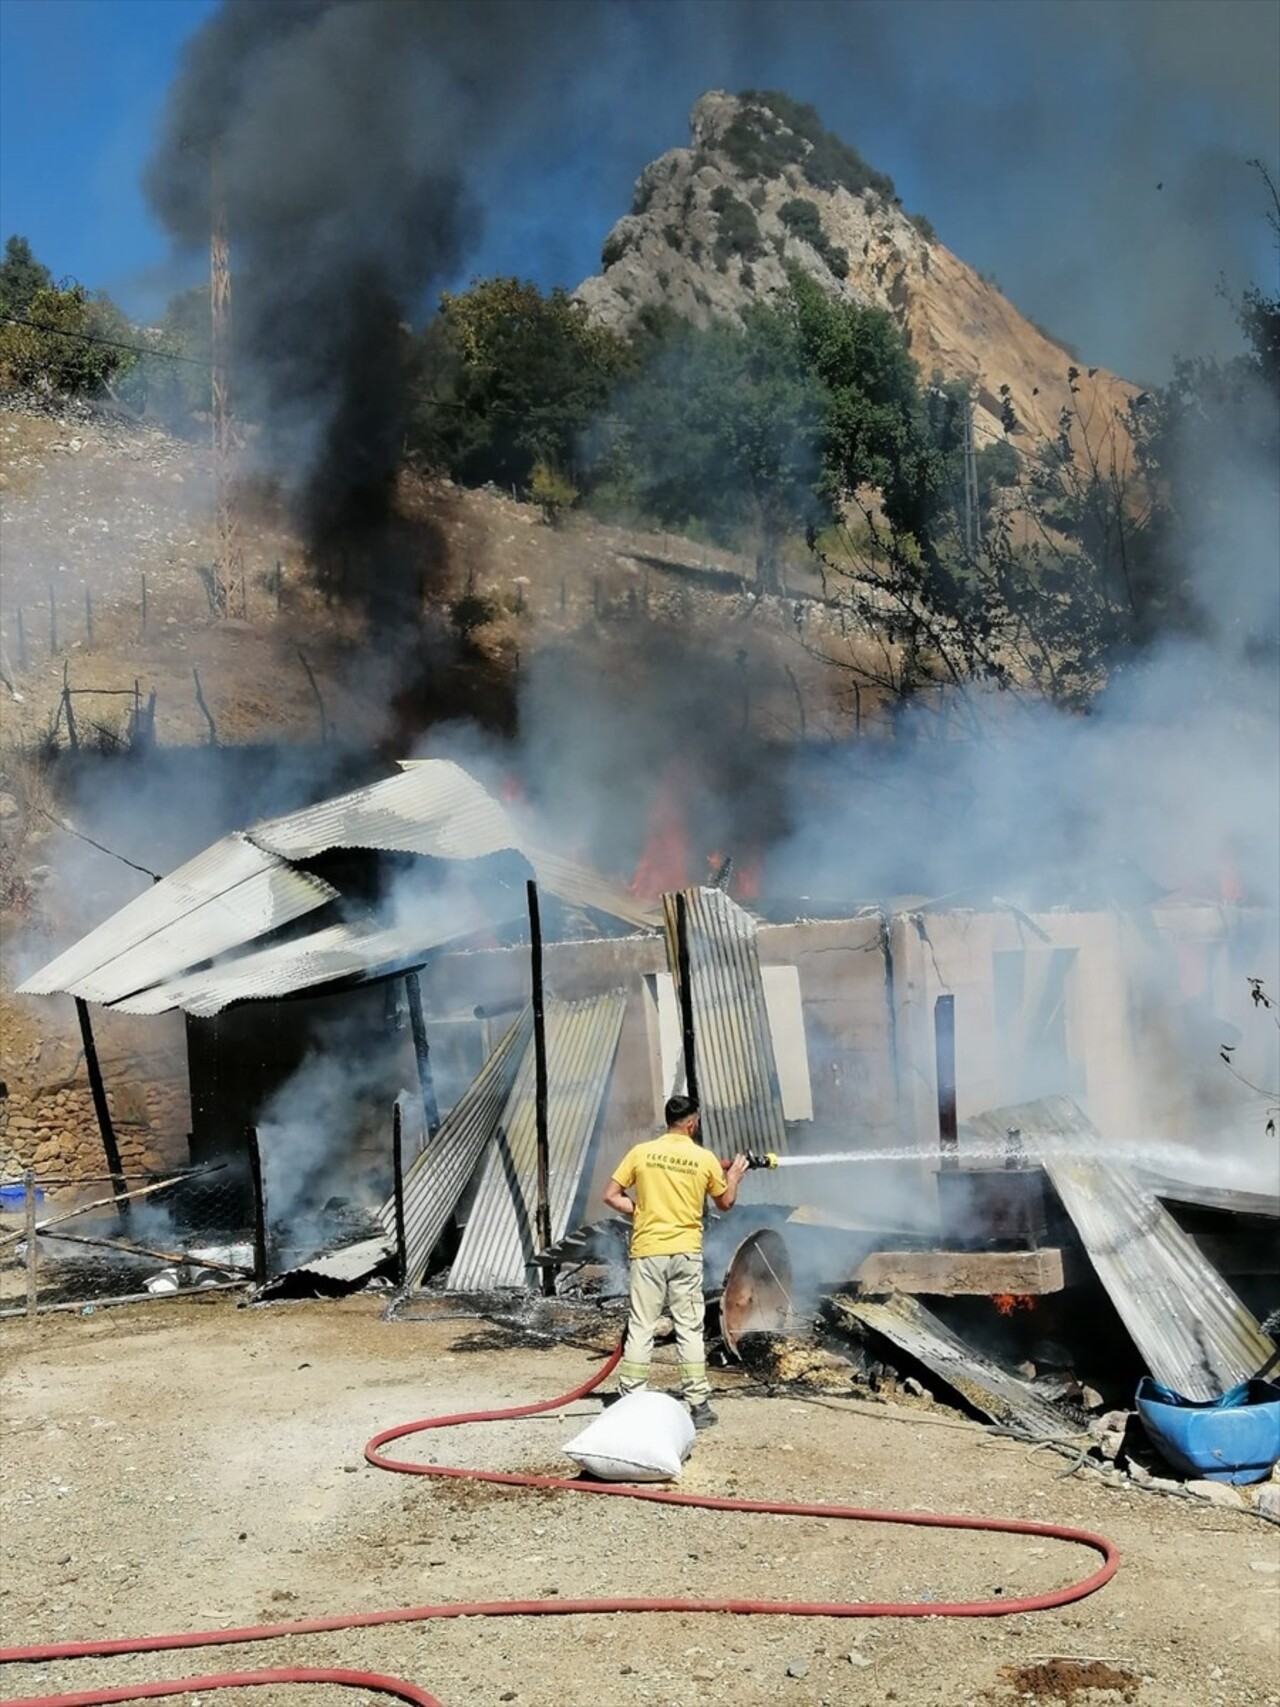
761	188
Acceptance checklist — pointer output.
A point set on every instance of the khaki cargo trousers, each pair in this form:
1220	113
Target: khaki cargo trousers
672	1284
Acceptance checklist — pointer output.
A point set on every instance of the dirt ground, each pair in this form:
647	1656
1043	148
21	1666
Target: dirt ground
193	1464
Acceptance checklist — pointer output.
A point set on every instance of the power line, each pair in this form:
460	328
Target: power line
97	338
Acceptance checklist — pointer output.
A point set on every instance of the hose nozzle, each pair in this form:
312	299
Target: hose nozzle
767	1160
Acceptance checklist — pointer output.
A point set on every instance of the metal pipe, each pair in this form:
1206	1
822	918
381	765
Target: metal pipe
99	1093
542	1220
397	1182
944	1037
422	1054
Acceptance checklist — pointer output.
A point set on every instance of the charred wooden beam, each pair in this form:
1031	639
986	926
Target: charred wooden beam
422	1054
99	1093
988	1274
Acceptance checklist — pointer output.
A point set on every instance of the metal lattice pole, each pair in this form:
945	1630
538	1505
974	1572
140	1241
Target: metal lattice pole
228	574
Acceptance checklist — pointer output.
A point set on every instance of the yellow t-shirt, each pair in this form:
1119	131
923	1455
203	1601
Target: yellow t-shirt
670	1178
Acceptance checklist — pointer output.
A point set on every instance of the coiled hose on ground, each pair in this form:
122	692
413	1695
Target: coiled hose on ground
406	1691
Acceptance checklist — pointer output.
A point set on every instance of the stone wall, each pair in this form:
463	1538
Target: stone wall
47	1119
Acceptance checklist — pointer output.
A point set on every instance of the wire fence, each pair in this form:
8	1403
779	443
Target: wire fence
131	1236
255	1219
62	623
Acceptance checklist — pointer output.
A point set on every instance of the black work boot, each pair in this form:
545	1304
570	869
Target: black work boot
702	1416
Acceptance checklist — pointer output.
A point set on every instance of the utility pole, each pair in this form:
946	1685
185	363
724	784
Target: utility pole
228	574
970	482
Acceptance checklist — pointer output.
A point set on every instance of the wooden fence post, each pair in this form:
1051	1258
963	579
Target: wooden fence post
72	733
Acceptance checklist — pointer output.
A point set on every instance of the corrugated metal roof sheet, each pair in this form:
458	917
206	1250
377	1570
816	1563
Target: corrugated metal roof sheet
357	949
330	1276
1227	1198
1194	1333
736	1073
583	887
499	1240
438	1176
433	808
988	1388
337	951
231	892
242	888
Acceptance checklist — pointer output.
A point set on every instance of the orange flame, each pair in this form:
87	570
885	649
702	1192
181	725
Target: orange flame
1008	1302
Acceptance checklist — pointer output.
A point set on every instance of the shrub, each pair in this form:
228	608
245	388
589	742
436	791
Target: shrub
615	247
758	145
757	136
803	220
739	230
471	612
924	226
60	348
553	492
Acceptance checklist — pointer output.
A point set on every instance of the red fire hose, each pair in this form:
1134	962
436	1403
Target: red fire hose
552	1608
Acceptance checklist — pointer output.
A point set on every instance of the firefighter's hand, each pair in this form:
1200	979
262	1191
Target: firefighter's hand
737	1167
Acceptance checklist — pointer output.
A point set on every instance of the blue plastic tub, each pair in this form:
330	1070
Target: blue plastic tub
1232	1439
15	1196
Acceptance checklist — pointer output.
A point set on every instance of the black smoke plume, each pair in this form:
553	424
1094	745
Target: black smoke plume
344	134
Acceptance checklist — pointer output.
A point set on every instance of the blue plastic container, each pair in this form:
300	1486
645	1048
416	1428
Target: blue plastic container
15	1196
1232	1439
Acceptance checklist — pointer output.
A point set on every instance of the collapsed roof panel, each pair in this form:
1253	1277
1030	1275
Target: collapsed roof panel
324	957
737	1076
582	887
1226	1198
151	955
1194	1334
500	1241
433	808
436	1179
225	896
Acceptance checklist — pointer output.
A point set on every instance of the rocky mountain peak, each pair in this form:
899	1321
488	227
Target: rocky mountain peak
764	187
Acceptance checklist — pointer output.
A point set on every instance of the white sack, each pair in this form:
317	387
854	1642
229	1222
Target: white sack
644	1437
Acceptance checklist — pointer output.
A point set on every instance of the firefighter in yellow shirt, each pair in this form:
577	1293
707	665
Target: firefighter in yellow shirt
669	1180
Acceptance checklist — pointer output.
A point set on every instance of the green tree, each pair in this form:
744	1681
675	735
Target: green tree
722	428
925	610
68	342
172	383
507	378
21	276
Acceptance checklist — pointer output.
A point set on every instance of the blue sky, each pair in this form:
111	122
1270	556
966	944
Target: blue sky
81	86
1090	154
